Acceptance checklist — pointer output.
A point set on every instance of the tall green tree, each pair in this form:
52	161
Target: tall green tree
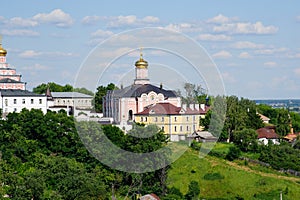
101	92
246	139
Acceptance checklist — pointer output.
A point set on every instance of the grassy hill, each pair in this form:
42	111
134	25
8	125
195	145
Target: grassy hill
221	179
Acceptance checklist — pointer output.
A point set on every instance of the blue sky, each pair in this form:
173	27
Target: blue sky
255	44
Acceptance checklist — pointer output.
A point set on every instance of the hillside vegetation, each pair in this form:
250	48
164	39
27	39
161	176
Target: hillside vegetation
221	179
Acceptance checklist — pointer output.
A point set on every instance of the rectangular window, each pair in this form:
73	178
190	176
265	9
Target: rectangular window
187	118
6	102
15	101
162	119
163	128
187	128
23	101
40	101
155	119
175	119
175	129
31	101
15	110
145	119
180	128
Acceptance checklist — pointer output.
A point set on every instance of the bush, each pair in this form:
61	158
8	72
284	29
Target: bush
234	153
213	176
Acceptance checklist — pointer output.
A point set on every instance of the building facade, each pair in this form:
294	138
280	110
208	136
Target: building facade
9	79
16	100
145	103
121	105
176	122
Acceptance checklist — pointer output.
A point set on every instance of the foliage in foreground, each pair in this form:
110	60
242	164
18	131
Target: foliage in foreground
42	157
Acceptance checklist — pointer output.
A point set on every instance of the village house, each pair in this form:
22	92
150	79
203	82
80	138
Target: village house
267	134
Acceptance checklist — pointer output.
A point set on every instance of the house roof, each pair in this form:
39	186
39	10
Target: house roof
161	109
16	93
267	132
138	89
264	118
291	137
166	108
69	95
202	135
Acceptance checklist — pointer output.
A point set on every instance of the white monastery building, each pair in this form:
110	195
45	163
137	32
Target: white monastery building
122	104
13	94
145	103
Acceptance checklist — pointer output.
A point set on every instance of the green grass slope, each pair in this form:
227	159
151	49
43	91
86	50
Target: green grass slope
221	179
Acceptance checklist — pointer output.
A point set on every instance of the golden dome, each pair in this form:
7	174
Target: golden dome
141	63
3	52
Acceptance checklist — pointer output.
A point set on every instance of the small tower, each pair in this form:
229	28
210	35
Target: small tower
141	71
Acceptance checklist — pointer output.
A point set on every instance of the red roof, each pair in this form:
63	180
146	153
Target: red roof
267	132
169	109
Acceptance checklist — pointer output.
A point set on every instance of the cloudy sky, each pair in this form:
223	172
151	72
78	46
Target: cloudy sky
254	44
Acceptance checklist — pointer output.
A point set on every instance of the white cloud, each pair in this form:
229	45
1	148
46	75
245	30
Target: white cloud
222	54
184	27
245	28
150	19
57	17
35	67
271	51
19	32
245	55
293	55
101	33
113	54
130	20
34	54
227	77
211	37
121	21
29	54
246	45
297	71
220	19
88	20
20	22
270	64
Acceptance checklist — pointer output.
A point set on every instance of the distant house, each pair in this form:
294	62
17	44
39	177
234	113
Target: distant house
202	136
72	102
264	118
291	137
267	134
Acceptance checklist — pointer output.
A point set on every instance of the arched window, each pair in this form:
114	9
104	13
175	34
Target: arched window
130	115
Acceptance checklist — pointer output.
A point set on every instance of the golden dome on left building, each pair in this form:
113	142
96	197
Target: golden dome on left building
3	52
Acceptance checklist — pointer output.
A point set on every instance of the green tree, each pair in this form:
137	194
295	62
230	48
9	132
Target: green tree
245	139
234	153
83	91
54	87
101	92
193	191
